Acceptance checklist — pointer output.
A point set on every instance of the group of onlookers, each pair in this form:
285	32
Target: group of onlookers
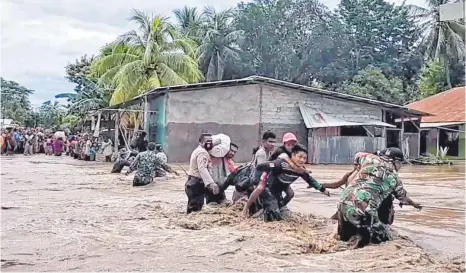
29	141
84	147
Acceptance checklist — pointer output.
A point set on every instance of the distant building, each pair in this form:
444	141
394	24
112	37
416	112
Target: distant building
332	125
445	127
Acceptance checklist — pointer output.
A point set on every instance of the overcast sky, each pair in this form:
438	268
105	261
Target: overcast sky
40	37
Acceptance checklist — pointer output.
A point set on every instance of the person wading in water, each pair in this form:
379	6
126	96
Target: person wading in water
200	182
242	177
386	210
284	152
278	176
141	143
377	179
221	170
146	163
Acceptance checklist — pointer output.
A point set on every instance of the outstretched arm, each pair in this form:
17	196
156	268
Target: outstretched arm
165	166
256	193
402	195
134	165
339	183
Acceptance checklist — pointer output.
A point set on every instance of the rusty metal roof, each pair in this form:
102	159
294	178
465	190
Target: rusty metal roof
447	106
314	118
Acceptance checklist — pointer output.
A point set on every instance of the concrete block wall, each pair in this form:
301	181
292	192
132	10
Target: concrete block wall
233	111
280	112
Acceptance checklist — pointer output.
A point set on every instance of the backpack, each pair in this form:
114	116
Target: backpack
244	177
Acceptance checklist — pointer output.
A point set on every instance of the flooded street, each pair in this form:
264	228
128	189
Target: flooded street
61	214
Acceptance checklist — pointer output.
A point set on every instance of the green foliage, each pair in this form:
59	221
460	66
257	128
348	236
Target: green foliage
382	35
371	48
433	79
153	57
79	72
372	83
217	43
282	38
70	122
51	114
15	101
441	40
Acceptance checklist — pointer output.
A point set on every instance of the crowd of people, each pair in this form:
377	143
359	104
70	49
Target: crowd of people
262	186
29	141
365	209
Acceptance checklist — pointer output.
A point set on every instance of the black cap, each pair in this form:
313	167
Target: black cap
393	153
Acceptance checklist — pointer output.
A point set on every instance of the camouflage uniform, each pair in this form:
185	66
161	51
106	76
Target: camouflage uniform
146	164
360	201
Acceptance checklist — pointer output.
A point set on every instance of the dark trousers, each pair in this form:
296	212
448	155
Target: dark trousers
214	198
108	158
386	211
195	190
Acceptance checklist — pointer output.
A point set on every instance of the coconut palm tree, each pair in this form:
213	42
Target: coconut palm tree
90	97
218	42
444	41
189	22
152	57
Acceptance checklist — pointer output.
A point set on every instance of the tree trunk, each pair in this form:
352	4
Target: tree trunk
446	64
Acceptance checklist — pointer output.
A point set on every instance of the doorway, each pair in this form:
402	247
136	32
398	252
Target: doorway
393	138
423	144
449	139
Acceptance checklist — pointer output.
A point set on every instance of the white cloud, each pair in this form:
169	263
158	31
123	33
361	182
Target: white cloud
39	37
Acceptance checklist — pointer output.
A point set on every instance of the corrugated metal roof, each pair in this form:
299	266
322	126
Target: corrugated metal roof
274	82
447	106
314	118
440	124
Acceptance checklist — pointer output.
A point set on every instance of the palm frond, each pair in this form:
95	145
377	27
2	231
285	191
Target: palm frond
108	76
104	64
131	38
144	21
169	77
65	96
457	28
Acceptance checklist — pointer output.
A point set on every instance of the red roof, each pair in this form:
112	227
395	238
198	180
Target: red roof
447	106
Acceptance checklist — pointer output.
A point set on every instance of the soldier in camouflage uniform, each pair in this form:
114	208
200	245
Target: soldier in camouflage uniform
386	210
359	203
146	163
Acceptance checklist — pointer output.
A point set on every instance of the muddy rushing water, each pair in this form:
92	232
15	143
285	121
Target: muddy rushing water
61	214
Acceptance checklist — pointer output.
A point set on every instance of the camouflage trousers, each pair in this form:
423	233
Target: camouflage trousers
367	226
142	180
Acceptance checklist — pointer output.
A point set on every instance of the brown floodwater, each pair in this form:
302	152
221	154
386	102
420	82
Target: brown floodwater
61	214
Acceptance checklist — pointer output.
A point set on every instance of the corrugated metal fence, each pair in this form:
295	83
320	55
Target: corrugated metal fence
341	149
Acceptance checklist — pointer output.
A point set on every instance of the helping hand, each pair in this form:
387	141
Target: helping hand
402	203
416	205
214	187
245	212
326	192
